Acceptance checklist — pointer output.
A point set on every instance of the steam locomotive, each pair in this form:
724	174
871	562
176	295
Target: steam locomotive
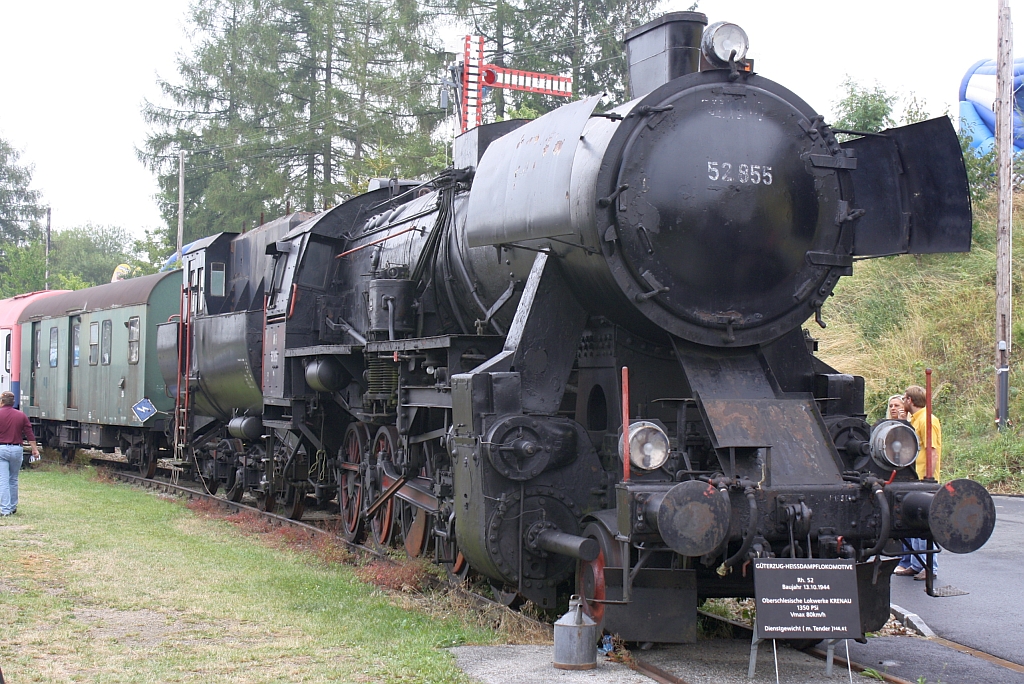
456	361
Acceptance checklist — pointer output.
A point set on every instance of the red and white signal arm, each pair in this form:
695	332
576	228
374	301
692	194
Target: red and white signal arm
476	76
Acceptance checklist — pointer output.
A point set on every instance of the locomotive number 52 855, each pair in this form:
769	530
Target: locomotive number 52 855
745	173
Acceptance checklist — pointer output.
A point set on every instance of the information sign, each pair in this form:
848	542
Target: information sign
144	410
806	599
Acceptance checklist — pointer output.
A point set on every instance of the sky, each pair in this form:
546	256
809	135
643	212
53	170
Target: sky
74	76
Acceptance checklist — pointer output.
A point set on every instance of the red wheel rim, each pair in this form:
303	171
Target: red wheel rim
383	522
590	585
350	500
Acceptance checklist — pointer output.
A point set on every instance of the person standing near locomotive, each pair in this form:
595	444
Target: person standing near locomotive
14	427
914	402
896	409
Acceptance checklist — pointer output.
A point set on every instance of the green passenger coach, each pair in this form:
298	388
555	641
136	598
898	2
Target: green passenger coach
89	357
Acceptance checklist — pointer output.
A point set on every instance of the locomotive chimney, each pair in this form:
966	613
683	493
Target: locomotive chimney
663	49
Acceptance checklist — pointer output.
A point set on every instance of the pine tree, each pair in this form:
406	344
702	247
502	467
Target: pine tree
226	112
287	101
20	208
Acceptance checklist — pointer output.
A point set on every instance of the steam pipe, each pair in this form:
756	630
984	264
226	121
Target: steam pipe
390	303
886	526
748	536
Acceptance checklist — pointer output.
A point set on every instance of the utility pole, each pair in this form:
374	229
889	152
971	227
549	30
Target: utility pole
181	202
1004	234
46	278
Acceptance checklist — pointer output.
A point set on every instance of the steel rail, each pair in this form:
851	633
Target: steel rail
995	660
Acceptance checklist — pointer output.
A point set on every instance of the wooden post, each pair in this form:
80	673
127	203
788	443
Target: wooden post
929	450
1004	237
46	278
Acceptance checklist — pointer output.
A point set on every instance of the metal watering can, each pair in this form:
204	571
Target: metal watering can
575	639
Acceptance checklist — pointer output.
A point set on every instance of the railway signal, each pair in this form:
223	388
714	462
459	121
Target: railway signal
476	75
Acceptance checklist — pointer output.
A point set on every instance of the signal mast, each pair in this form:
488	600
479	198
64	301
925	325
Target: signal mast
477	75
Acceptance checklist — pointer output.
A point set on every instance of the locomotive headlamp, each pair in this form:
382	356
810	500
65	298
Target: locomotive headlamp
648	445
723	41
894	444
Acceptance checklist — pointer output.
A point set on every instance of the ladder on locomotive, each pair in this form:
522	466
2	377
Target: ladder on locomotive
183	396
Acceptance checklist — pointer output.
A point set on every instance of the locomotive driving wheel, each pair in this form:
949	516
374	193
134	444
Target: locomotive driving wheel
414	522
350	481
383	450
590	575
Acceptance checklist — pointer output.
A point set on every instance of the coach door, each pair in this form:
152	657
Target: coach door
5	375
74	359
37	342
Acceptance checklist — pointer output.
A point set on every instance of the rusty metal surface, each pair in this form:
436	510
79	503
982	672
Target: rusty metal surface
520	191
799	451
962	516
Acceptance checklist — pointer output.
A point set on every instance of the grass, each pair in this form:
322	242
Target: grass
105	583
899	315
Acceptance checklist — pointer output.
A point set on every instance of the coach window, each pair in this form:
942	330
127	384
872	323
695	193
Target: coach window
7	356
133	339
94	343
217	279
53	346
76	334
39	345
108	332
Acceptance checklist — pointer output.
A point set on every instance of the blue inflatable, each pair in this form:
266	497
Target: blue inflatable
977	98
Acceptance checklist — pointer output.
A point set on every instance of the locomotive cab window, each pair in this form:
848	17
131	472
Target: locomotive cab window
105	339
277	279
76	334
53	346
133	339
217	279
94	343
316	266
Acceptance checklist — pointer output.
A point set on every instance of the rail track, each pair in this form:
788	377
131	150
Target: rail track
321	526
